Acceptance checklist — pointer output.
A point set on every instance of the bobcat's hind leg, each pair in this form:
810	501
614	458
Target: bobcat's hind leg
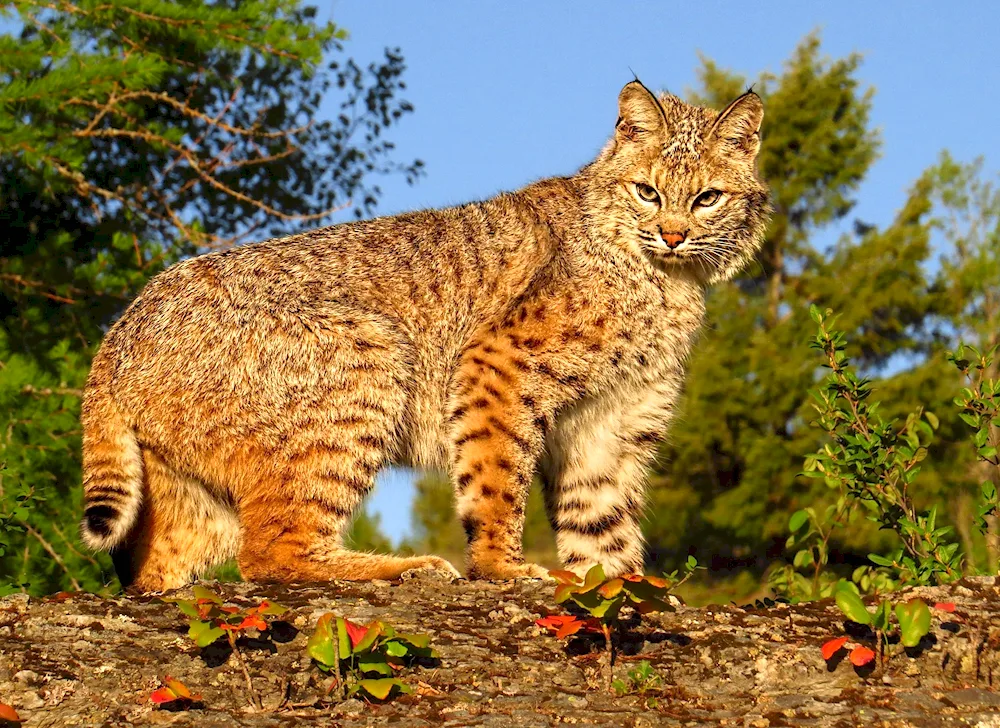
293	529
299	538
182	530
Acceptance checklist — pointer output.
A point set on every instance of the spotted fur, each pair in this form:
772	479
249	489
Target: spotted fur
245	401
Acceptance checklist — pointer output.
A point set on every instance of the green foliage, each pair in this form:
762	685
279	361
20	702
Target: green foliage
603	598
640	679
366	534
875	464
872	466
365	659
980	409
211	618
134	133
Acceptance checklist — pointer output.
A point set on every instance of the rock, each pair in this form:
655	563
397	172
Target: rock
84	660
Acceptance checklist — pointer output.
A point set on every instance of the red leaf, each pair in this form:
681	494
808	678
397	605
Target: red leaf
833	647
7	713
230	627
253	620
564	625
861	656
549	621
945	606
229	610
163	695
569	627
179	689
565	577
355	632
172	691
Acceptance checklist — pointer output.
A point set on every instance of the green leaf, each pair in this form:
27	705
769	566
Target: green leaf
343	639
188	607
595	577
850	603
375	630
914	621
374	663
880	620
320	645
932	419
880	560
201	592
272	608
381	688
396	648
422	641
798	520
204	633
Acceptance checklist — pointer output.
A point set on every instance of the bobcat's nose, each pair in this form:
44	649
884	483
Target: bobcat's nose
673	239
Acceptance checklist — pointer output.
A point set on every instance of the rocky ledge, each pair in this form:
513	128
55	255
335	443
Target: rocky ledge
83	660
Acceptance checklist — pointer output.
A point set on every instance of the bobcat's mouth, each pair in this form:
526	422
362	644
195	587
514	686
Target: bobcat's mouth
660	251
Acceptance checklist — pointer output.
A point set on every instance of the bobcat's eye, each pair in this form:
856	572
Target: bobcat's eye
708	198
646	193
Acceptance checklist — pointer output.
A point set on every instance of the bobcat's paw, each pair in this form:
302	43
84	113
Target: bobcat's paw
434	565
502	571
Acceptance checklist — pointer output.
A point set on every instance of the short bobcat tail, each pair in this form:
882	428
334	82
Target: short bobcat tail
112	466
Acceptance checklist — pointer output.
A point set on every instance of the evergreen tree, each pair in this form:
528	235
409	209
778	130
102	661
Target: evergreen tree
133	133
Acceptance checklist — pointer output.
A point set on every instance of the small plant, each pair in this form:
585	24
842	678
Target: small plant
980	409
908	620
175	694
365	659
640	679
872	465
211	618
603	599
9	716
810	534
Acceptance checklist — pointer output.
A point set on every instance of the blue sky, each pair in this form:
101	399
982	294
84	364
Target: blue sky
508	92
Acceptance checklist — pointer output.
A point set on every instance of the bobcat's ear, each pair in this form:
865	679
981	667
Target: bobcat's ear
640	116
739	124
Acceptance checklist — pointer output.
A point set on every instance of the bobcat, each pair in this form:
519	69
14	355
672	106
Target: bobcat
245	401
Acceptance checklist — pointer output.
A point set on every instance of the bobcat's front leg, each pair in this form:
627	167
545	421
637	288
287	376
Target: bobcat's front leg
502	405
594	476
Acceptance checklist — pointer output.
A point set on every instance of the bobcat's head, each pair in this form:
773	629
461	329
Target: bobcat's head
678	182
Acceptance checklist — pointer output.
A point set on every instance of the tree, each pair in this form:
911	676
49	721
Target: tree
134	133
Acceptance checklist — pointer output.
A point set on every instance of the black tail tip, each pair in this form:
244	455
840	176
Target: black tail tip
100	519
